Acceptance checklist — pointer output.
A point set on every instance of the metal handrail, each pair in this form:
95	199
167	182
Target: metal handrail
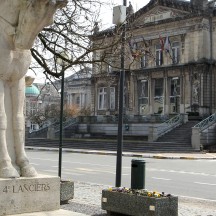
66	124
169	124
206	122
56	127
43	127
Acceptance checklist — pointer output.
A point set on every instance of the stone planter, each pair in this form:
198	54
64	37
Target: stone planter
136	205
66	191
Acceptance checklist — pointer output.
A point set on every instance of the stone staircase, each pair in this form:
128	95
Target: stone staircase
180	136
168	144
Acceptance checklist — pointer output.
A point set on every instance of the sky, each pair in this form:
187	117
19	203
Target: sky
106	11
105	20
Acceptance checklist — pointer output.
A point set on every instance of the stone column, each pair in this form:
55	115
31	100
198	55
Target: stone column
195	139
152	135
151	96
182	93
134	95
185	117
51	133
166	96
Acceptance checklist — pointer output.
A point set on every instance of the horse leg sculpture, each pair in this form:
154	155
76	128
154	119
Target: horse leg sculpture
6	168
18	95
20	22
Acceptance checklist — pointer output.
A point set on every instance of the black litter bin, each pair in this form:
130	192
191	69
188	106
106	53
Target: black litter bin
137	174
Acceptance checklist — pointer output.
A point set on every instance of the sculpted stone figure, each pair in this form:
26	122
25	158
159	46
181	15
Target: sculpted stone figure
20	22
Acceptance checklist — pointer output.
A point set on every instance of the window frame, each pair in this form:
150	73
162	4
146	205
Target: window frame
144	61
176	50
159	54
102	96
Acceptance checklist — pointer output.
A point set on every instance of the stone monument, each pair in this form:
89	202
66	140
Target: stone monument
20	23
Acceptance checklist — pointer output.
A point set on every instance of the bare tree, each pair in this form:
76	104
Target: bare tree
66	44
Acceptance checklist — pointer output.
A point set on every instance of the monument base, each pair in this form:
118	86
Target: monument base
25	195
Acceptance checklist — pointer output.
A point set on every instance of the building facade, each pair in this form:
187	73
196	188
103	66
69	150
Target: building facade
169	61
78	89
40	98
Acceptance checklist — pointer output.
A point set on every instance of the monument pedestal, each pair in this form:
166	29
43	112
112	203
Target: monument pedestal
25	195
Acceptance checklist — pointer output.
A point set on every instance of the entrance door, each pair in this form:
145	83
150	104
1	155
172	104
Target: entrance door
175	95
143	97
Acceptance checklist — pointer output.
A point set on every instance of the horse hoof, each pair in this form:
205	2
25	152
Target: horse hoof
28	171
9	172
17	168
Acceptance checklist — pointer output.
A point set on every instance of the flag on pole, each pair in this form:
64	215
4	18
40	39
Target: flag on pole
167	45
161	42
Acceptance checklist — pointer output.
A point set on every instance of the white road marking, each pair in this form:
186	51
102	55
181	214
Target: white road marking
43	159
93	171
203	183
181	172
68	173
70	162
162	179
196	198
52	171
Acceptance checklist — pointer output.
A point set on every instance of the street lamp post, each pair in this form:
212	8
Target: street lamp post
63	64
61	126
121	107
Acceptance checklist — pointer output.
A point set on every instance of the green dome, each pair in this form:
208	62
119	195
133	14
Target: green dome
32	91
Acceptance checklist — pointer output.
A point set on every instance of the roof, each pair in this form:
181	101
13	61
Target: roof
189	10
84	73
32	91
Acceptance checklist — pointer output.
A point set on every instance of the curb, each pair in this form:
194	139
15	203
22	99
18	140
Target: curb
126	154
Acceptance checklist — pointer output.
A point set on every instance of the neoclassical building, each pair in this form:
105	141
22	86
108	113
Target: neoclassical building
169	61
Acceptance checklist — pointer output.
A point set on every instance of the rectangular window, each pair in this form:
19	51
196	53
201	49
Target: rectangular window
174	94
112	98
143	96
78	100
159	55
83	99
143	89
175	86
175	52
144	61
158	98
102	98
159	87
34	108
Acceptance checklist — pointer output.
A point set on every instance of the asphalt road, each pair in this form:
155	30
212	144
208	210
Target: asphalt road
190	178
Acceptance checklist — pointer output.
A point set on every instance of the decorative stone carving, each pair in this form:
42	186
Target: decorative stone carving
20	22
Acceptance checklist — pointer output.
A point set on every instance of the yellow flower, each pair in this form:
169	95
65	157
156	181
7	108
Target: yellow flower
149	194
109	189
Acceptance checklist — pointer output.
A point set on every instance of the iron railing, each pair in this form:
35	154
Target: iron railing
44	127
66	124
169	124
55	125
204	124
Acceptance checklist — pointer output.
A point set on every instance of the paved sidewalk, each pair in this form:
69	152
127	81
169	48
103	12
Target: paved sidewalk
189	156
87	200
60	212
